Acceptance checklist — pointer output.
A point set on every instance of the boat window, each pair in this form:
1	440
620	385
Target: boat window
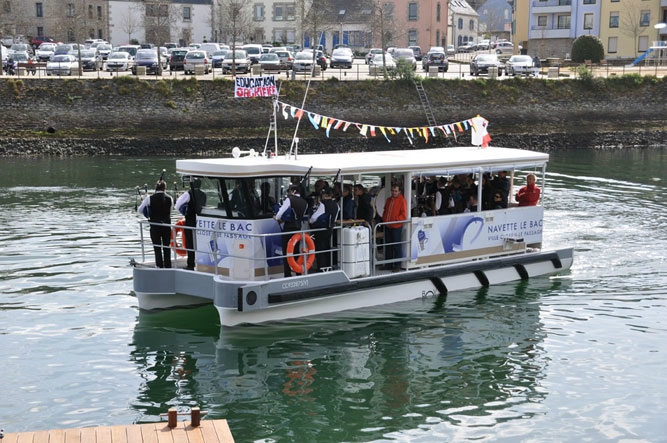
244	198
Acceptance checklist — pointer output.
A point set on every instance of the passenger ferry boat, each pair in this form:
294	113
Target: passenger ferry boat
239	256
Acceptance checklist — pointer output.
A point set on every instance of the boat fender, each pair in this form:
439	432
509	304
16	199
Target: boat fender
179	245
296	263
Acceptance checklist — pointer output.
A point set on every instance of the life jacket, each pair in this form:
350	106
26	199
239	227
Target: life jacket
329	216
194	206
296	211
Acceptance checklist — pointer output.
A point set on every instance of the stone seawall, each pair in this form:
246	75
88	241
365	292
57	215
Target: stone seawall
127	116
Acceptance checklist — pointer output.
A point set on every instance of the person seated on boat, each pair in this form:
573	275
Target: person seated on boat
190	204
501	183
444	202
472	204
395	210
499	202
324	218
290	215
348	203
157	208
266	201
365	209
528	195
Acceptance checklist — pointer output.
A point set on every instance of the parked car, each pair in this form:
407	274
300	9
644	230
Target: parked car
130	49
407	55
253	51
286	58
451	50
62	64
210	48
341	58
504	48
21	47
270	62
104	49
19	57
45	52
37	41
436	59
119	61
147	58
519	64
64	48
417	51
379	63
217	58
237	59
176	57
303	61
91	60
321	60
481	63
372	53
467	47
194	58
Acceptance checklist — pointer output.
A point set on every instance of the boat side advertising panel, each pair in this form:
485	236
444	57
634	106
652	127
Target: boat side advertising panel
236	247
474	233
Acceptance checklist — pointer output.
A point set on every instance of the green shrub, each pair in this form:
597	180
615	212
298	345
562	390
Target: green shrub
404	70
587	47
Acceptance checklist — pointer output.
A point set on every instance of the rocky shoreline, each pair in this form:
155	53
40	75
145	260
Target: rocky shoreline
179	118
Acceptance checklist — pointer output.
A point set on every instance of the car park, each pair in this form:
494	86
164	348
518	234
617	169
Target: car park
176	57
436	59
371	53
405	55
270	62
45	51
91	60
378	63
130	49
62	64
236	60
21	47
417	52
341	58
520	64
119	61
196	58
210	48
63	48
253	51
147	58
481	63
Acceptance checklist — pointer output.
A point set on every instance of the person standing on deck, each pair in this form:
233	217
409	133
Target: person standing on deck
395	209
529	195
190	205
157	208
291	213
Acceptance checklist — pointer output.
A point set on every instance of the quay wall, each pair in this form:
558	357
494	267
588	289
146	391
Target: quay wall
129	116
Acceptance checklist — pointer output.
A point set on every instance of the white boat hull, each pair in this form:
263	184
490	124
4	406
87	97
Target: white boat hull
317	294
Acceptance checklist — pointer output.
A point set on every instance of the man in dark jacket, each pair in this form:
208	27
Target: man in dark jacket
157	208
291	214
190	205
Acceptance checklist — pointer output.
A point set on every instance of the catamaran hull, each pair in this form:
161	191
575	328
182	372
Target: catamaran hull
316	294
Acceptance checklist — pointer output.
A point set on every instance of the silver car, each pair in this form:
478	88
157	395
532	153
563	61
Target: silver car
237	59
62	64
407	55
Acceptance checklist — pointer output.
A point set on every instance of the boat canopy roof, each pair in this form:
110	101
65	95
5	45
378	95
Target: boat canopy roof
436	161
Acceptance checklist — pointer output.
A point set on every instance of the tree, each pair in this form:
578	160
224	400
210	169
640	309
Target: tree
130	22
587	47
317	20
630	22
236	14
160	16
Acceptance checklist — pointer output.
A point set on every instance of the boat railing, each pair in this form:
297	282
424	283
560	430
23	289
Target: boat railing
379	245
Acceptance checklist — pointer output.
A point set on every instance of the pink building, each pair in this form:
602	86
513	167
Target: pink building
421	23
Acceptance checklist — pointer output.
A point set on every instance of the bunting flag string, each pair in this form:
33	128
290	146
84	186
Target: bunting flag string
476	125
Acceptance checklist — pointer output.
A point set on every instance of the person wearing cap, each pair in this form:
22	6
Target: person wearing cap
157	208
290	214
190	205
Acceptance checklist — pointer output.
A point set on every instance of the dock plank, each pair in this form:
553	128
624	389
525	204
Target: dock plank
209	431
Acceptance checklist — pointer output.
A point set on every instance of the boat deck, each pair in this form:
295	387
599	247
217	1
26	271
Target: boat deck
209	431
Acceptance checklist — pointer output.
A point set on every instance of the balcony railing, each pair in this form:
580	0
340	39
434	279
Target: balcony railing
551	3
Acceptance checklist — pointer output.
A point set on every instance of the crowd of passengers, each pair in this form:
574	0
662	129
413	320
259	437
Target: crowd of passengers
460	193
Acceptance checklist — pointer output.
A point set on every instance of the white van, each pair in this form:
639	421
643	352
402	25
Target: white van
253	51
210	48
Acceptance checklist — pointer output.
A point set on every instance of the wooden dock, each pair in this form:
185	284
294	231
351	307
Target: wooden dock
208	431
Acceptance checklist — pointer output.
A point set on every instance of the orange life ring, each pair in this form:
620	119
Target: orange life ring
178	244
296	263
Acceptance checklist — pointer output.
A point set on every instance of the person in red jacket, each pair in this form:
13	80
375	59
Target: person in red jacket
395	209
529	194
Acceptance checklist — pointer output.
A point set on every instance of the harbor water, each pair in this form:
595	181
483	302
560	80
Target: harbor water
576	357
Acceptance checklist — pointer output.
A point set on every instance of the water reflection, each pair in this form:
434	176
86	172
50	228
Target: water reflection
470	356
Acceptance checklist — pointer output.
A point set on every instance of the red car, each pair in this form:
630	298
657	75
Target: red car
36	41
